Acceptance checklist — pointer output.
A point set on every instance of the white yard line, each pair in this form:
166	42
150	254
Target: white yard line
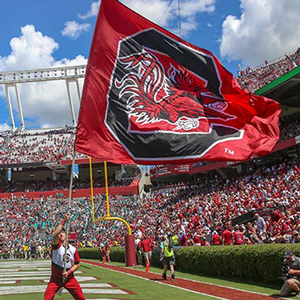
10	290
24	269
33	273
8	282
23	274
46	278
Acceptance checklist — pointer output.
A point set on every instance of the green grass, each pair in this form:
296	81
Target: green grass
145	289
252	287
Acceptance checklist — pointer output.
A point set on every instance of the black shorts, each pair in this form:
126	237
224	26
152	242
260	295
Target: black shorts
169	261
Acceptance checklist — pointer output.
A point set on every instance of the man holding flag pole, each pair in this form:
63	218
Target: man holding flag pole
59	277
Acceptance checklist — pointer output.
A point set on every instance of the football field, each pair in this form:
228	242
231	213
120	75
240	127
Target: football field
27	280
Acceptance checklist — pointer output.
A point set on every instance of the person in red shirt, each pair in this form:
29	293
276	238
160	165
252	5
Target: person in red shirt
107	248
59	278
196	240
216	239
276	229
103	253
147	246
276	216
183	239
227	236
238	236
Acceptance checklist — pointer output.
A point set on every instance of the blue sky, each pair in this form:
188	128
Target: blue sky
39	34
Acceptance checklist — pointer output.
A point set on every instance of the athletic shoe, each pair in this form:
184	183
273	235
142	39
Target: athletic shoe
164	276
173	276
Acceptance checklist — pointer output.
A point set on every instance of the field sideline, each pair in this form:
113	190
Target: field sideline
27	280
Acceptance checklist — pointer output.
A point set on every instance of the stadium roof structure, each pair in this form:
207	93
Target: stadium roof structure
285	89
12	79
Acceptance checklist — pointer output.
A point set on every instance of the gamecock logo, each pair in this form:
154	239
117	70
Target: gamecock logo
165	99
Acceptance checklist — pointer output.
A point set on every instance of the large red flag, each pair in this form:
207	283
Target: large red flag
150	97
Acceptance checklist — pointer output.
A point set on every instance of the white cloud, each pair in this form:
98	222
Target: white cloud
32	50
74	30
186	28
4	127
167	15
44	104
159	12
150	8
78	60
92	12
266	29
191	7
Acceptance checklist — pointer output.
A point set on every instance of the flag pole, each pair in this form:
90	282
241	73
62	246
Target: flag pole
69	206
179	19
92	190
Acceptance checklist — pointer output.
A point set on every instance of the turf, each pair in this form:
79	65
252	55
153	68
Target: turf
252	287
142	289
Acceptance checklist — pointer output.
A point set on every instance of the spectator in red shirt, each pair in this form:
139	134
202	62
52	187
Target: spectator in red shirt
196	240
227	236
103	252
238	236
146	246
107	249
216	239
183	239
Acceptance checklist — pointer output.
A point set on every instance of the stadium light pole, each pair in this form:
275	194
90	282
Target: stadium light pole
14	78
20	107
11	115
71	103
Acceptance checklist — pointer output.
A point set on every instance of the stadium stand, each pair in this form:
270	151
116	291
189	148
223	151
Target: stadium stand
252	79
253	202
187	210
37	146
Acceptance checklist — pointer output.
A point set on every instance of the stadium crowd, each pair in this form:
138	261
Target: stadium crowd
37	146
204	213
252	79
289	128
195	214
53	146
32	186
199	214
